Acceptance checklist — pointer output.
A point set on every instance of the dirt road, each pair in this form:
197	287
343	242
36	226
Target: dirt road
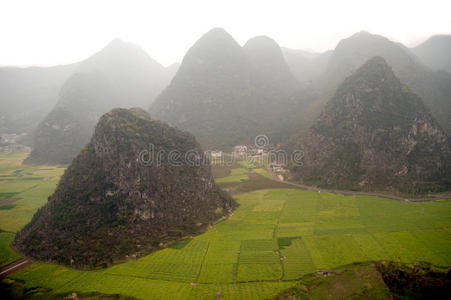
350	193
14	267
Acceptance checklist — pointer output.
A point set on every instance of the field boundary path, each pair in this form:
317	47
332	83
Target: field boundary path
14	267
353	193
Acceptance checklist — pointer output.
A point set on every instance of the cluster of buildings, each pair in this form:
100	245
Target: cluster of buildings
239	152
280	170
10	142
243	152
11	138
215	154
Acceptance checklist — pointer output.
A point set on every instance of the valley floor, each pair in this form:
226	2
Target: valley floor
277	235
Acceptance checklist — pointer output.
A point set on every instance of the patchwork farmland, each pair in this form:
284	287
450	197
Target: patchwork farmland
276	236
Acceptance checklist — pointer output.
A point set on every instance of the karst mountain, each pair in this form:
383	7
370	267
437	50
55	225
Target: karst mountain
121	198
226	94
376	134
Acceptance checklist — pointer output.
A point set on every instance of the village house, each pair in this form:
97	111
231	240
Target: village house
216	154
279	168
240	151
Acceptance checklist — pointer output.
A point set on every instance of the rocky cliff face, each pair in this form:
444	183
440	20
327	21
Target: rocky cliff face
110	203
375	134
351	53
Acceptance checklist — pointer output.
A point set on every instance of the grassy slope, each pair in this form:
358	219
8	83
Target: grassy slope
248	256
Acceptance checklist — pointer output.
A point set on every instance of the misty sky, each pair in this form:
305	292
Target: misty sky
47	32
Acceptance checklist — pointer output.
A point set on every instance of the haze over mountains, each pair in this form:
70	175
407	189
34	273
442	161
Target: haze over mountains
239	150
370	116
376	134
268	63
120	75
353	52
306	66
435	52
223	93
28	94
273	104
226	94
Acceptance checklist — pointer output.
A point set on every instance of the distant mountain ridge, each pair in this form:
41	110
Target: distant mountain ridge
375	134
226	94
28	94
435	52
433	87
268	61
120	75
306	66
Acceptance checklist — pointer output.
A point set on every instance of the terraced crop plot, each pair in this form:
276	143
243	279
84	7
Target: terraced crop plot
296	260
169	264
259	260
273	238
236	175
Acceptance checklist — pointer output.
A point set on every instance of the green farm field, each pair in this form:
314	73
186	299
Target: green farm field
276	236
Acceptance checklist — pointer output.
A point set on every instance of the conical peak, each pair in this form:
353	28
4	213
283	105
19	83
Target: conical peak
261	42
217	32
216	48
119	45
217	39
376	64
